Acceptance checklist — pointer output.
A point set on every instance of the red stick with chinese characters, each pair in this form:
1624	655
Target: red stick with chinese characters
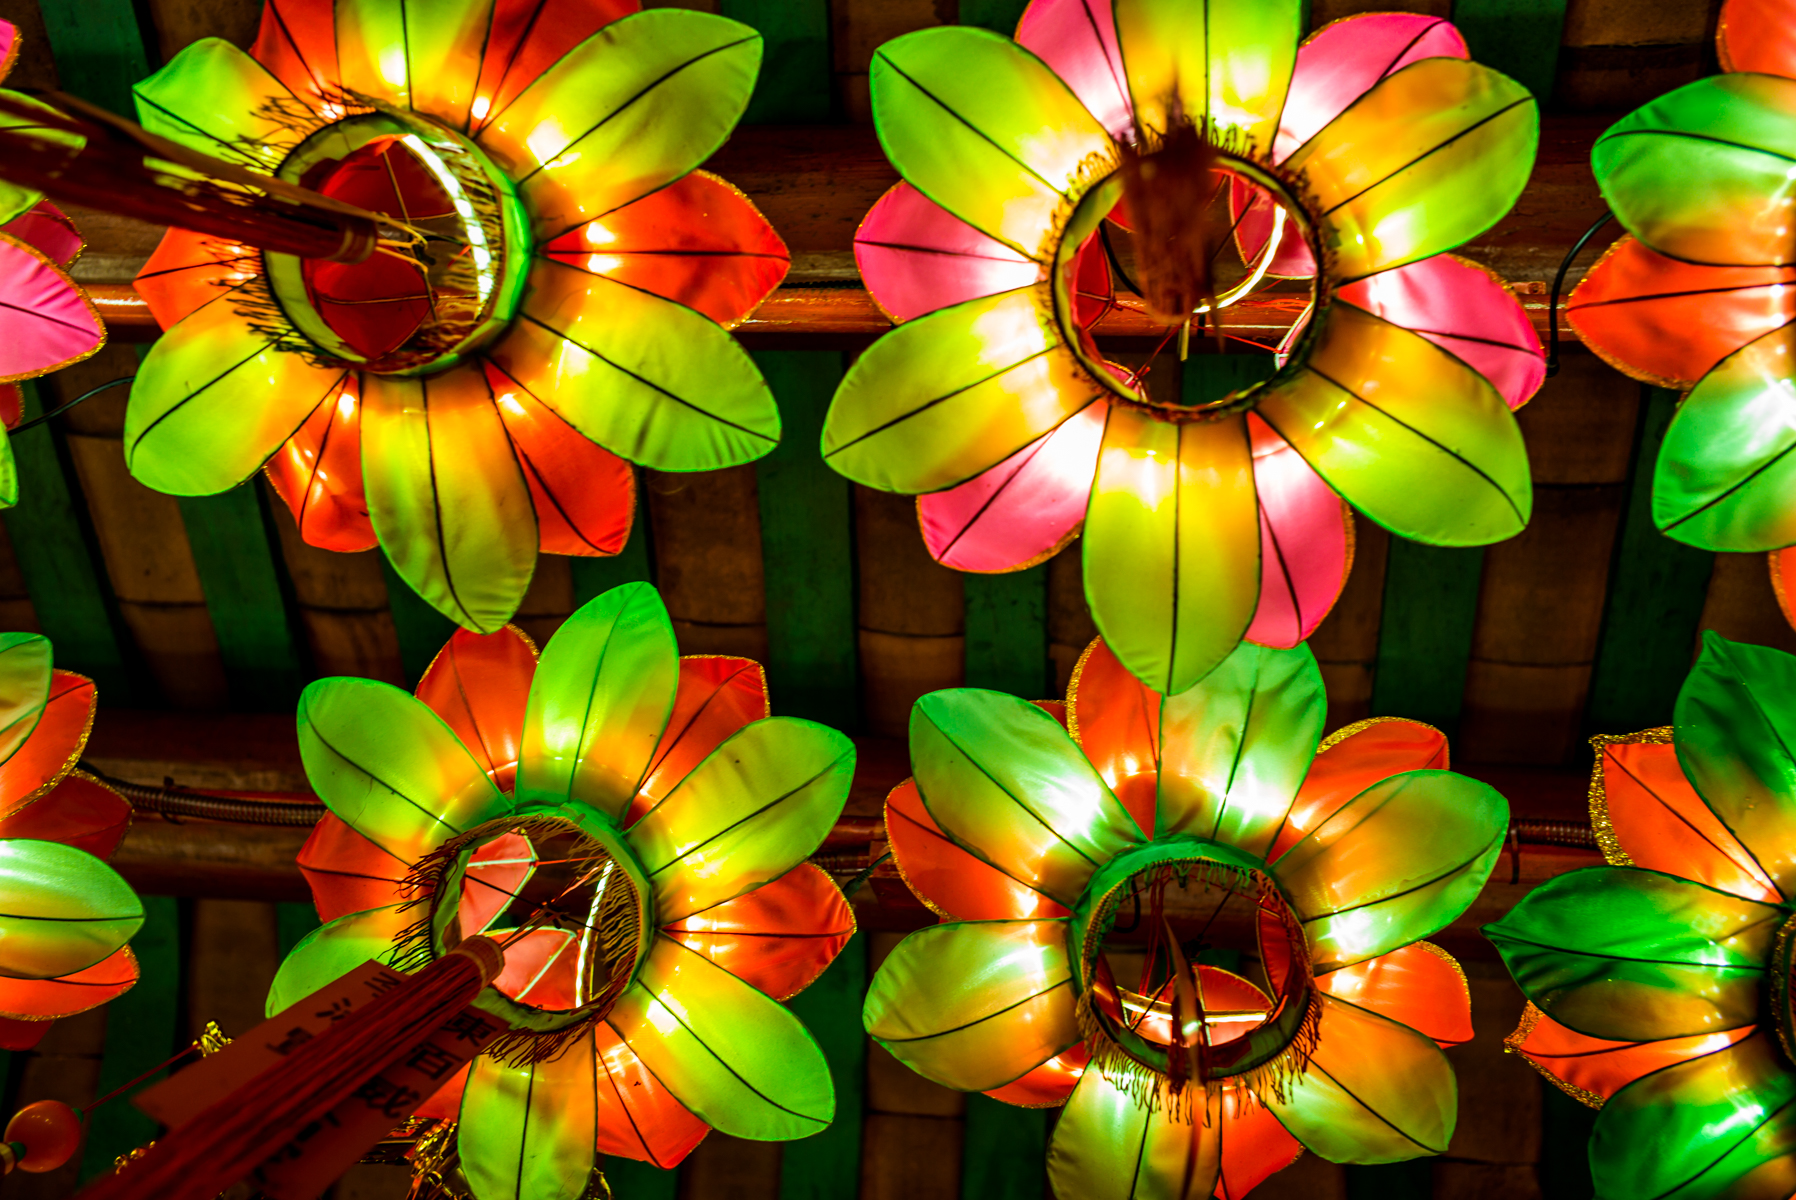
340	1078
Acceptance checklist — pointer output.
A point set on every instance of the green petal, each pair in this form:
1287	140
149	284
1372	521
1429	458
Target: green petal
1412	436
1376	1091
1108	1145
1431	157
424	55
1635	956
1005	780
1704	173
1172	545
986	130
333	951
1723	1125
61	909
629	110
1235	748
1398	862
741	1062
599	701
24	687
646	378
756	807
1227	65
1726	477
214	98
941	398
9	473
527	1133
446	494
975	1005
212	400
389	767
1735	725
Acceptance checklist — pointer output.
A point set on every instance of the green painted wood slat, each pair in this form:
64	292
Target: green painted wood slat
142	1028
1518	37
1425	635
99	46
1656	592
1004	1156
807	548
794	87
827	1165
1007	633
63	571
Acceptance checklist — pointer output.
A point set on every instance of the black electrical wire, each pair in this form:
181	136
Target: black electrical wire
1558	283
22	426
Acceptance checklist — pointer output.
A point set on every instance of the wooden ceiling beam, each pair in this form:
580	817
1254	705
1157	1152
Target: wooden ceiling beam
816	182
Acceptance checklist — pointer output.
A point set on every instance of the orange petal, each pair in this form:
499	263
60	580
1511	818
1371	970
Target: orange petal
80	811
190	270
318	473
699	242
297	42
947	878
1647	809
1420	985
445	1104
1669	322
12	405
1254	1146
53	747
107	979
1049	1084
777	938
480	685
1593	1069
584	495
1758	35
638	1117
1783	566
1116	721
717	696
1353	759
539	969
348	873
526	37
22	1035
496	872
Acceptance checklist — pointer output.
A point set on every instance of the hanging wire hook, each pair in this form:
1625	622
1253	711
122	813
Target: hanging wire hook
1558	283
22	426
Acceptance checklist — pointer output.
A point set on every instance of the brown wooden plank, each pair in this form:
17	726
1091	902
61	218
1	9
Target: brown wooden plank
234	953
911	612
1742	606
343	605
1618	54
707	539
180	23
143	539
1070	627
1497	1140
16	612
1309	1178
548	602
727	1168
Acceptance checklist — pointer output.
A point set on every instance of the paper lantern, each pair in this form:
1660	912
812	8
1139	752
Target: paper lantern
46	321
548	305
648	1016
1701	295
1036	830
1370	151
66	914
1659	986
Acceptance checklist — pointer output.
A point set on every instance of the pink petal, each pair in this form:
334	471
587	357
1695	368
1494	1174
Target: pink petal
9	47
1303	542
915	257
1464	309
45	321
1341	63
44	226
1077	39
1022	509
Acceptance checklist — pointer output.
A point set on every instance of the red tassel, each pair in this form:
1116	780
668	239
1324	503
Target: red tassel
229	1140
